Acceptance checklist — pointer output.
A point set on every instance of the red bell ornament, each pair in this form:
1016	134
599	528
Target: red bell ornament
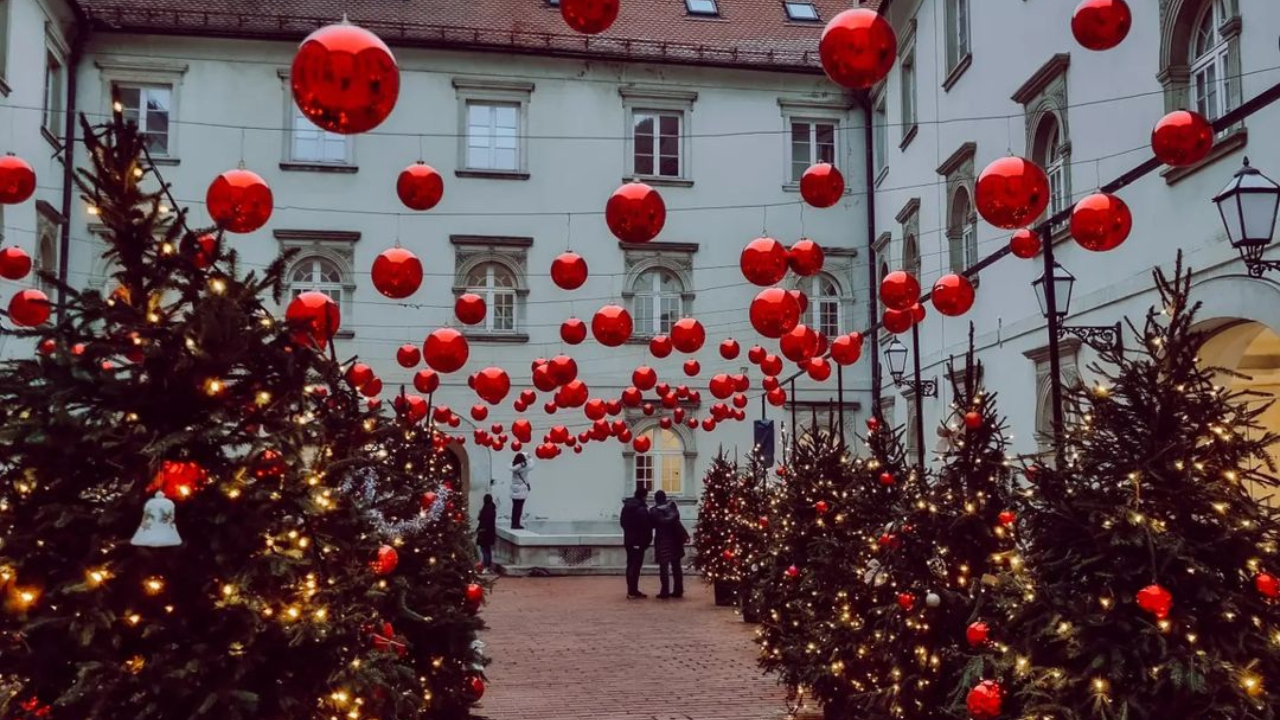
800	344
644	377
420	186
569	271
15	263
774	313
899	290
764	261
1156	600
857	48
446	350
397	273
17	180
952	295
1101	24
846	349
819	369
426	381
635	212
493	384
408	356
239	201
1025	244
660	346
985	701
589	17
611	325
822	185
315	318
573	331
806	257
1267	585
1012	192
469	308
345	79
687	335
387	560
1182	138
729	349
897	321
1101	222
642	444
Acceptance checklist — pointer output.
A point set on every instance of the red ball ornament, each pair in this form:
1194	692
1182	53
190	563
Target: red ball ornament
899	290
822	185
15	263
589	16
573	331
822	506
792	572
268	464
1267	585
972	420
1101	24
420	186
887	478
777	397
594	409
387	560
977	633
774	313
475	593
806	257
573	394
446	350
17	180
846	349
1012	192
757	353
358	375
857	48
493	384
522	429
1155	600
729	349
408	356
985	701
873	424
692	367
1025	244
544	379
819	369
635	212
660	346
397	273
764	261
1101	222
47	346
801	299
687	335
178	479
906	601
203	250
644	377
721	386
569	271
771	365
611	325
800	344
469	308
563	368
239	201
897	321
1006	517
314	317
473	686
345	79
642	444
952	295
917	313
479	413
1182	138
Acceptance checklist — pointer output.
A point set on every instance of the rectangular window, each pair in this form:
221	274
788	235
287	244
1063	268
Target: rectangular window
149	106
656	135
1058	198
52	92
504	312
644	472
970	240
909	92
829	317
802	11
1211	86
957	32
880	127
311	144
702	7
493	132
812	141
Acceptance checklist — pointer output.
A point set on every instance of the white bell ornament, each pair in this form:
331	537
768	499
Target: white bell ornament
158	527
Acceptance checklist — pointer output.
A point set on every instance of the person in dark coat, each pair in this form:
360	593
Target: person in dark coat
637	536
487	532
668	546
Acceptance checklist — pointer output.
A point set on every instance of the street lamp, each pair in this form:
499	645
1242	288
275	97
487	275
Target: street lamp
895	356
1248	206
1099	337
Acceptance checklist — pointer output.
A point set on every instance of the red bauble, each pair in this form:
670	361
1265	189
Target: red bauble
563	368
764	261
178	479
239	201
819	369
806	257
822	185
721	386
1025	244
47	346
757	353
446	350
473	686
358	375
203	250
635	212
822	506
594	409
873	424
573	331
345	79
469	309
569	271
15	263
397	273
886	478
986	701
644	377
708	424
417	408
917	313
493	384
611	325
801	299
776	397
660	346
858	48
897	321
906	601
589	16
522	429
642	444
729	349
774	313
846	349
1012	192
1100	222
687	335
426	381
1006	517
1155	600
1101	24
977	633
314	317
269	464
420	186
475	593
408	356
952	295
973	420
17	180
573	394
771	365
800	344
1267	585
479	413
899	290
1182	138
386	561
792	572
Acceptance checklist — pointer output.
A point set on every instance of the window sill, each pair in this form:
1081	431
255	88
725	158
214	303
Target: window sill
296	166
344	335
881	174
51	138
492	174
4	88
659	181
165	161
908	137
953	77
794	187
1231	142
483	337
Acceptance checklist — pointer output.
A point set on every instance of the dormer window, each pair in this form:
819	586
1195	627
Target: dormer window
802	11
702	7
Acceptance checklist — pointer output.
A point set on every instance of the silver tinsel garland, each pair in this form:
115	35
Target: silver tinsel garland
362	487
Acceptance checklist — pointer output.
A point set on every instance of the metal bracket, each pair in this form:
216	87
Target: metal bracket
925	388
1258	267
1102	338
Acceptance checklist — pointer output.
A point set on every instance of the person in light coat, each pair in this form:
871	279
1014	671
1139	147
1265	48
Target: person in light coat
521	467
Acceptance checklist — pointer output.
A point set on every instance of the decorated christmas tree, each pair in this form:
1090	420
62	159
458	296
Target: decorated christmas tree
1152	589
716	535
755	533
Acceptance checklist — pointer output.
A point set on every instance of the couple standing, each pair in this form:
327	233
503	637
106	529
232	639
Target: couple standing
659	526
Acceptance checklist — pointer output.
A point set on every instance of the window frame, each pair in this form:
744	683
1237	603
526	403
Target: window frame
53	102
958	40
5	11
657	458
656	156
880	135
493	92
642	100
814	146
491	291
835	113
788	4
910	95
147	71
143	111
1214	63
655	299
812	316
714	10
962	232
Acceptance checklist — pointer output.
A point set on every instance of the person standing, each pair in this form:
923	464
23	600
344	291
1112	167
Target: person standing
521	467
487	532
637	536
668	544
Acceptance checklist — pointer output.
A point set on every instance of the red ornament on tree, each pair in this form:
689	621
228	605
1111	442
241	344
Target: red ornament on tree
314	317
897	321
764	261
573	331
408	356
1101	24
269	464
846	349
899	290
371	388
972	420
873	424
1006	517
822	185
446	350
178	479
1025	244
17	180
345	79
857	48
473	686
1100	222
986	701
642	444
239	201
774	313
660	346
806	257
792	572
611	325
397	273
687	335
1182	138
635	212
1012	192
358	375
906	601
569	271
1155	600
952	295
387	560
729	349
589	16
492	385
15	263
475	593
886	478
469	309
821	507
977	634
1267	585
800	344
420	186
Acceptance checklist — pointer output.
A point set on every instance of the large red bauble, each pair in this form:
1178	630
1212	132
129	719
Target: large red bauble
985	701
1012	192
611	325
1025	244
631	397
1182	138
635	212
239	201
771	365
563	368
544	379
897	321
757	353
721	386
660	346
952	295
822	185
687	335
806	257
589	16
899	290
776	397
15	263
818	368
493	384
642	444
917	313
386	561
569	271
17	180
359	374
1101	222
764	261
973	421
446	350
573	331
469	309
397	273
801	299
800	344
408	356
315	318
426	381
729	349
420	186
522	429
1101	24
178	479
594	409
1155	600
858	48
846	349
372	389
1267	585
644	377
774	313
345	79
977	633
473	686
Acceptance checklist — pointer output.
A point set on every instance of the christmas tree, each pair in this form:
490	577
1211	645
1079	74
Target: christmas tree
717	533
1153	571
754	536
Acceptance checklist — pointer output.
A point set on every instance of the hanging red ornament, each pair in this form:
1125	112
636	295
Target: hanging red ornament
387	560
642	444
420	186
528	396
358	375
589	16
1012	192
239	201
1267	585
631	397
692	367
1025	244
897	321
635	213
774	313
906	601
822	185
1155	600
822	506
1182	138
664	423
269	464
475	593
687	335
17	180
47	346
973	420
644	377
1101	222
887	478
801	299
777	397
660	346
1006	517
15	263
740	401
611	325
314	317
899	290
985	701
806	257
178	479
493	384
977	633
729	349
1101	24
952	295
873	424
569	271
846	349
473	686
345	79
397	273
522	429
202	249
479	413
917	314
764	261
469	308
757	353
446	350
857	48
771	365
573	331
709	424
800	344
544	379
594	409
417	408
819	369
573	394
563	368
792	572
721	386
408	356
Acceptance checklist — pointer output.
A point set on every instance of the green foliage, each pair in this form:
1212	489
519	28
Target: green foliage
728	531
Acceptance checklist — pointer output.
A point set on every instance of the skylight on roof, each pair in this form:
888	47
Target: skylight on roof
801	11
702	7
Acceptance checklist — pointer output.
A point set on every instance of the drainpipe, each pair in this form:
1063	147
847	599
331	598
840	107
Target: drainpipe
69	158
872	319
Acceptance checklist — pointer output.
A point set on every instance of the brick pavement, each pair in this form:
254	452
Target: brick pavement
574	648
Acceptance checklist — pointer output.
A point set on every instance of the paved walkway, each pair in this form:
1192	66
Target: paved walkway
574	648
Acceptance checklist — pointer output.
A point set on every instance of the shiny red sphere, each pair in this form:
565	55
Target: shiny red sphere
635	213
573	331
493	384
420	186
589	16
1182	138
899	290
408	356
858	48
239	201
818	368
897	321
771	365
642	444
952	295
611	325
446	350
660	346
764	261
473	686
806	257
846	349
358	375
15	263
563	368
757	353
29	308
800	344
479	413
644	377
1012	192
569	271
1025	244
729	349
426	381
397	273
822	185
17	180
314	317
1101	222
776	397
688	335
1101	24
469	308
345	79
985	701
774	313
721	386
692	367
801	299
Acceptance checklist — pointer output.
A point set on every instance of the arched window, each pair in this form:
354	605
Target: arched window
658	301
662	468
321	274
1047	153
911	255
496	283
825	312
1211	80
962	230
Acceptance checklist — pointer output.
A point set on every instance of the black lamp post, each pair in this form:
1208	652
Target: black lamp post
1099	337
895	356
1248	206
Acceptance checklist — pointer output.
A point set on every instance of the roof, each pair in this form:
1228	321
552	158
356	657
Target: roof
751	34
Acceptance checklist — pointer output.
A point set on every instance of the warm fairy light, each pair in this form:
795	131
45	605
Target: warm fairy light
1252	684
213	387
262	398
96	577
133	618
217	286
1101	686
228	590
153	585
166	248
92	210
